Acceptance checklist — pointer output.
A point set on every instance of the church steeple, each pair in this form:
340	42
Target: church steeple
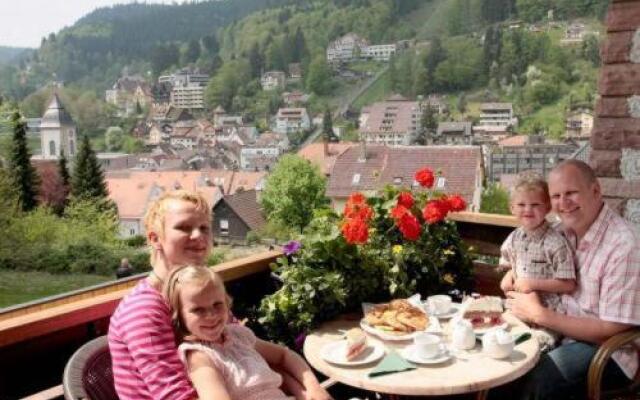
57	131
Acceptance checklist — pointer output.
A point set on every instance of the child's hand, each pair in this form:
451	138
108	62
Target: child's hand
523	285
506	284
316	393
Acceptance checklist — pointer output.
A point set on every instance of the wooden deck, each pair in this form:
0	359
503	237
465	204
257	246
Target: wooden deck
45	333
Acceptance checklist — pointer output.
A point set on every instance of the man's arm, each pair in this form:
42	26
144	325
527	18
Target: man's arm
525	285
527	307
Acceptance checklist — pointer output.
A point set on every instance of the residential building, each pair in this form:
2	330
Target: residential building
346	48
133	191
58	132
263	154
116	161
574	33
128	92
324	154
273	80
379	52
579	125
188	96
369	168
435	102
453	133
524	152
496	117
295	98
234	216
394	122
289	120
295	72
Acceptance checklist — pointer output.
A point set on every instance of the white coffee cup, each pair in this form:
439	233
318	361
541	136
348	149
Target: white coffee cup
427	345
439	304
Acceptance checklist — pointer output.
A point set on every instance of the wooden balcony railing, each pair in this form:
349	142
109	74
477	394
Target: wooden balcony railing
37	338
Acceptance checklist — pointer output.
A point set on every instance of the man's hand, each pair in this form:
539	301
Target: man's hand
523	285
527	307
506	284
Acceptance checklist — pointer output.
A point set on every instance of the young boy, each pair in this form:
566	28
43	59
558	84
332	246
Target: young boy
538	257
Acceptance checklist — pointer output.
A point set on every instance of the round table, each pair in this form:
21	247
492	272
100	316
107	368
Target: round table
466	372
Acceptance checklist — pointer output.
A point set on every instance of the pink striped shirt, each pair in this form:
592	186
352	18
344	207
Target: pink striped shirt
608	259
146	365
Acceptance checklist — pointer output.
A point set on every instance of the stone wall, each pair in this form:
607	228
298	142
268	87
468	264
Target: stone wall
615	138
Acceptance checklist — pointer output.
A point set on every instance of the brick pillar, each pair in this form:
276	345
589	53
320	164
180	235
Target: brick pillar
615	139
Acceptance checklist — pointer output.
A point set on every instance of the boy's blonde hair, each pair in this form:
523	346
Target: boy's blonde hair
197	275
531	181
155	215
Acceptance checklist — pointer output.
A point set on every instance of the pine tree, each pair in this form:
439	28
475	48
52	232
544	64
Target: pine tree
65	178
22	174
327	126
87	181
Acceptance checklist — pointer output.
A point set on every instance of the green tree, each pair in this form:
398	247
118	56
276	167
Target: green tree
495	200
293	191
327	126
319	77
87	181
22	174
114	138
429	125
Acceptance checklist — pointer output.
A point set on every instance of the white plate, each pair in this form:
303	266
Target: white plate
455	308
433	327
409	353
335	353
482	331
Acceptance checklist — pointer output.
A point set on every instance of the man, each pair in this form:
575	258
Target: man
607	298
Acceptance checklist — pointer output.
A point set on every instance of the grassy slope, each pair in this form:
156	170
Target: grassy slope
19	287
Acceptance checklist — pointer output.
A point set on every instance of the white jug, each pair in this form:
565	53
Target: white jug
463	337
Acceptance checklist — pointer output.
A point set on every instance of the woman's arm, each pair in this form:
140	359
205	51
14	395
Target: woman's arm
205	377
292	364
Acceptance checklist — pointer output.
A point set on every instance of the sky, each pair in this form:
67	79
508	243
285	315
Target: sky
23	23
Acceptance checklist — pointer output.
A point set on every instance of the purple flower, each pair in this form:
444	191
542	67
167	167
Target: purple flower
299	341
292	247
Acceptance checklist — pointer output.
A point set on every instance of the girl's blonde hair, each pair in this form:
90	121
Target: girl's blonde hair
155	215
197	275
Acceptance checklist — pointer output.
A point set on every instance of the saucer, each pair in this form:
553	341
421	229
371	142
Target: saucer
335	353
410	354
455	307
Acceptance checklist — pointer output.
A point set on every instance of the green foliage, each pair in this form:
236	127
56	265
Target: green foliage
114	138
87	181
293	191
21	173
225	86
495	200
329	276
319	77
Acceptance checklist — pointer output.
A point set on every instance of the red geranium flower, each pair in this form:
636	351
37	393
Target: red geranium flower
398	212
425	177
409	226
355	231
356	198
405	199
434	211
456	203
358	211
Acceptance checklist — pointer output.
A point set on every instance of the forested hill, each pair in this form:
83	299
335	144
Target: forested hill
95	49
9	54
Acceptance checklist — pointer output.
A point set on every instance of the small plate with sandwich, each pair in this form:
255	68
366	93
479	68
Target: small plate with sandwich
484	313
398	320
353	350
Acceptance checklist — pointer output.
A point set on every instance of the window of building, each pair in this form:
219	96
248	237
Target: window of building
397	180
52	148
132	232
356	179
224	227
441	182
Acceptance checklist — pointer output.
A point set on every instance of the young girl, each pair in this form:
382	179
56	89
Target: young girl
228	362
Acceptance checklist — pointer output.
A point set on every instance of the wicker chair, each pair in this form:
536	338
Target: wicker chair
599	362
88	373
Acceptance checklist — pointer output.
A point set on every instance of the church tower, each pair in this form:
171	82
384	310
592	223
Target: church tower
57	131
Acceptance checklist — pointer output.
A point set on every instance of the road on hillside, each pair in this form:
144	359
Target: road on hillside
345	104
